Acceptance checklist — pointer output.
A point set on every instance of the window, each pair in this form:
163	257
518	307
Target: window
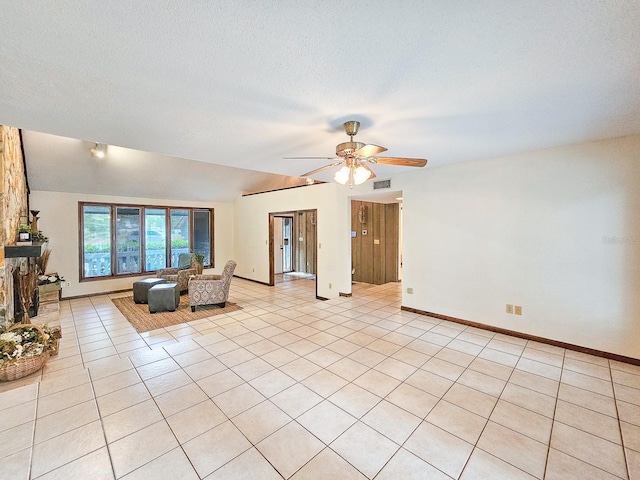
155	220
202	234
119	240
179	234
128	240
96	242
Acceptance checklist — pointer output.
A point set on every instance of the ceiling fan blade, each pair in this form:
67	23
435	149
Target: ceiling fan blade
309	158
405	162
312	172
373	174
369	150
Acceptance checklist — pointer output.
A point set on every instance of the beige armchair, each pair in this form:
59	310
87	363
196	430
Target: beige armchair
180	275
211	289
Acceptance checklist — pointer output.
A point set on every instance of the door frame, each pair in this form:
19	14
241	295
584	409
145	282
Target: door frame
292	245
272	216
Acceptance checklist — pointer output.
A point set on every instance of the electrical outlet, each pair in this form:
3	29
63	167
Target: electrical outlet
67	284
329	285
409	290
509	308
518	310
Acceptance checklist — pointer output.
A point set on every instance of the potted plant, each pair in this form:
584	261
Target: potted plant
197	261
24	232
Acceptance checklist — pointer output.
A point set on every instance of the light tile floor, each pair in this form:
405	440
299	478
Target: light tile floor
293	387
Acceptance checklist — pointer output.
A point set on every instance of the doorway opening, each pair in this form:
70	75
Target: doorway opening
376	238
293	247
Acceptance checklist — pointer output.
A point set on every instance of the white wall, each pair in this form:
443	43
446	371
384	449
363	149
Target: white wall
333	226
59	221
555	231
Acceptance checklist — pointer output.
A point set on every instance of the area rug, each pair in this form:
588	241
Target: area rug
143	321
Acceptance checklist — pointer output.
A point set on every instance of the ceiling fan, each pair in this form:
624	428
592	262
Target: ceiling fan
355	156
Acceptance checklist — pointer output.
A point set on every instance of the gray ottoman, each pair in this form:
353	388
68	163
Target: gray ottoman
164	297
141	289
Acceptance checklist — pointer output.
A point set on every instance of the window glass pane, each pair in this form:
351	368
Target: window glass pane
155	238
128	240
96	240
179	234
202	234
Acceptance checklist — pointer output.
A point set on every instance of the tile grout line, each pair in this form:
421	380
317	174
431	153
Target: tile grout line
33	432
553	420
104	433
622	442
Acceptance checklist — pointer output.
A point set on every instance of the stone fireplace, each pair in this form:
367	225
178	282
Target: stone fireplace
14	204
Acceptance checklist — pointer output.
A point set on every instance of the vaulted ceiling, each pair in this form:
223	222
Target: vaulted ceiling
213	85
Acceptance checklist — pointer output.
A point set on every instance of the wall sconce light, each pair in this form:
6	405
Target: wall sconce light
99	150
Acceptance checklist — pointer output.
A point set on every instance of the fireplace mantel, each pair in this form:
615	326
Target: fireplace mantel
24	251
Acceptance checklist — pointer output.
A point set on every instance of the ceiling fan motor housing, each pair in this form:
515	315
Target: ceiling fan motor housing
347	148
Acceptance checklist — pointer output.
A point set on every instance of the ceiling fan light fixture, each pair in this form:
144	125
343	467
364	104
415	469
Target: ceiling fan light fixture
360	175
342	175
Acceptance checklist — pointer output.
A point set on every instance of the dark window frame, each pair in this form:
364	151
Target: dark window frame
113	247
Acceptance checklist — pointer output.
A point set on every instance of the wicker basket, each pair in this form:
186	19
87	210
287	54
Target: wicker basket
25	365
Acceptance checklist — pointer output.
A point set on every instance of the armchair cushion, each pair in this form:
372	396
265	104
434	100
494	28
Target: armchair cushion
181	277
184	261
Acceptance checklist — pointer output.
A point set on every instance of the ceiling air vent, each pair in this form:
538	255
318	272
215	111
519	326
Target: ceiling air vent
382	184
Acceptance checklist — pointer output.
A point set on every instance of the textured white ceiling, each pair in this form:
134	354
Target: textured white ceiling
245	83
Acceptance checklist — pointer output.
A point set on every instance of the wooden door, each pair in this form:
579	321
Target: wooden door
374	242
